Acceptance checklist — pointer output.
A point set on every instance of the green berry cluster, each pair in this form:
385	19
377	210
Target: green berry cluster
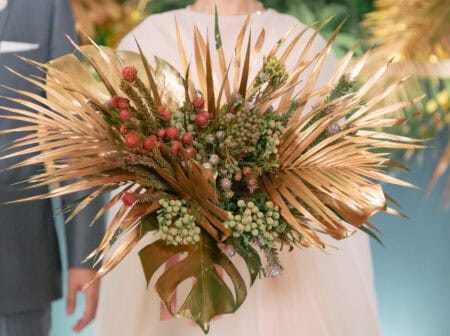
230	167
273	72
242	133
271	131
201	154
253	221
176	223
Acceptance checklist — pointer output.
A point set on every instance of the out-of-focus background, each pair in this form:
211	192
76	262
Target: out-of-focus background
412	269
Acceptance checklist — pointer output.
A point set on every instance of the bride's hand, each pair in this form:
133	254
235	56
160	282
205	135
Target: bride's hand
76	279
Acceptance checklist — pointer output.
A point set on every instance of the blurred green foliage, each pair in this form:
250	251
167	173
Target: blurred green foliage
309	12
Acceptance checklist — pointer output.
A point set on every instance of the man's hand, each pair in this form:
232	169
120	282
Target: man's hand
76	279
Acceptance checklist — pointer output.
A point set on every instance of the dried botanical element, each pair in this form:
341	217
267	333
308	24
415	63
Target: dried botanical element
422	23
113	18
415	36
242	166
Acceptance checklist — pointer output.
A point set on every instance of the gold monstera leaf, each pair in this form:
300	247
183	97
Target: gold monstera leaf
210	295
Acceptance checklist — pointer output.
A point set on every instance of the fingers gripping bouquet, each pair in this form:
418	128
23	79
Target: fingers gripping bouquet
216	170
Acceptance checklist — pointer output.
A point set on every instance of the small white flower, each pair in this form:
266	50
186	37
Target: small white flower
220	135
274	271
229	117
334	128
210	138
207	165
227	249
225	183
214	159
236	96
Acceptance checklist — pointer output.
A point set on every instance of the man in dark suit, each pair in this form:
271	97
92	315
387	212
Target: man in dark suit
30	267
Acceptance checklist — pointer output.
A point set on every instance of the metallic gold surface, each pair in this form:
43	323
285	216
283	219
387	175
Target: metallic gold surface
210	295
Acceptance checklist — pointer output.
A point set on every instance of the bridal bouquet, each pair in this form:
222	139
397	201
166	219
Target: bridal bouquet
235	166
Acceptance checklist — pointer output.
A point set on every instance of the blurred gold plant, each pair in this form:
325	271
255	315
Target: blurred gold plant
114	17
413	29
415	36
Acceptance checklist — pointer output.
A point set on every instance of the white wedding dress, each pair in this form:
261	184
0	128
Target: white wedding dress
319	294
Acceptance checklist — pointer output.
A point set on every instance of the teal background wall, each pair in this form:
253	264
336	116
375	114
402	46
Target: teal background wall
412	270
61	323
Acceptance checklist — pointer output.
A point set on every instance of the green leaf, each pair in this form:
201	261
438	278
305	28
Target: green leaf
149	223
251	258
217	30
371	234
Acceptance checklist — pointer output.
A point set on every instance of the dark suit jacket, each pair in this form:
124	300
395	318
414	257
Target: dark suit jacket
30	267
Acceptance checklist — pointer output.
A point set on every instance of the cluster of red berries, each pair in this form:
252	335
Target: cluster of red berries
123	105
173	134
202	117
132	140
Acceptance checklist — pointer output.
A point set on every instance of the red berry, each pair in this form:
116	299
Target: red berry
124	114
190	150
176	145
123	129
132	140
129	198
150	142
123	103
233	109
114	101
164	113
129	73
172	132
161	133
205	113
198	102
187	139
202	119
